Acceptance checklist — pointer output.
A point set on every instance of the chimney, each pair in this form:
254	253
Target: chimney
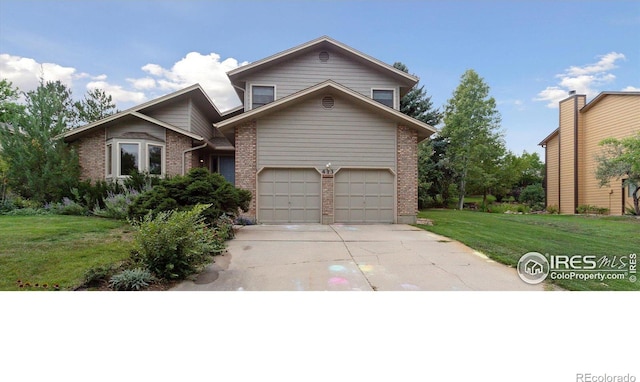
572	92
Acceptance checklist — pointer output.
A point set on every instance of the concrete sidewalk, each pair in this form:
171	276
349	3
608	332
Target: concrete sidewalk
351	257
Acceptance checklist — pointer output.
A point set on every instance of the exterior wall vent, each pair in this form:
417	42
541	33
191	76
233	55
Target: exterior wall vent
328	102
324	56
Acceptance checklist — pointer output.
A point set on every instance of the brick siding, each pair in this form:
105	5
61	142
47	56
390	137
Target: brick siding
175	146
327	198
246	162
407	175
91	155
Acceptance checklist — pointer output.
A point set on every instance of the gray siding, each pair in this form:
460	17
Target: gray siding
308	135
177	114
199	123
307	70
136	125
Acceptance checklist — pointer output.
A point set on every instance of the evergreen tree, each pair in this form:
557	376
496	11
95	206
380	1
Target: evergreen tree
96	105
417	104
40	165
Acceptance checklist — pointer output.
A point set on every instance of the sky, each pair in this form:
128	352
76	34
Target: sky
530	53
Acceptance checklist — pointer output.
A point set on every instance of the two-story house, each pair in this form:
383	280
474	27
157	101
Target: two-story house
572	148
319	138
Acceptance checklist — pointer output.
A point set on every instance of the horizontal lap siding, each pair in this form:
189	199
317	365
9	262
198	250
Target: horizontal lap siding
552	172
307	70
307	135
615	116
199	123
177	114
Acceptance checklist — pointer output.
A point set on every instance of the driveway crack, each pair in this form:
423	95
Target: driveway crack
373	288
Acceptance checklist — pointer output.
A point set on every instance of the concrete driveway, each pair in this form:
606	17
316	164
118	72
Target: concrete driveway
351	257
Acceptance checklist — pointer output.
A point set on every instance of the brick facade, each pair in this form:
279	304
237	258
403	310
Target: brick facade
175	146
407	192
91	155
327	198
246	162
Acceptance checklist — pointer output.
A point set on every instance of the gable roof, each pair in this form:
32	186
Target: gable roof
602	95
424	130
195	92
323	42
549	137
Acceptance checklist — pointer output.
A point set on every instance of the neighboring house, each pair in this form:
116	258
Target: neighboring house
571	150
319	138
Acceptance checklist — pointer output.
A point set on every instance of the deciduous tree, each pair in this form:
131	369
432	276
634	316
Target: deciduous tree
620	159
471	124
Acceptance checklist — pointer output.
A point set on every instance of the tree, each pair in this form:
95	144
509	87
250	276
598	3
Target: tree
417	104
433	169
471	123
96	105
620	159
9	108
41	166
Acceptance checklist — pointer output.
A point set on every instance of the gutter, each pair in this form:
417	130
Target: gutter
189	150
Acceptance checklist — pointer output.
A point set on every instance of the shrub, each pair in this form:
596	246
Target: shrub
173	244
224	228
97	275
66	207
27	212
116	206
199	186
589	209
533	196
131	279
553	209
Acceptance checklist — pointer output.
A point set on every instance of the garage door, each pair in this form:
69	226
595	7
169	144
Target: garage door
364	196
289	196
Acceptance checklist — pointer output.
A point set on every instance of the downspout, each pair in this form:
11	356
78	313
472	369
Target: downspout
575	154
184	153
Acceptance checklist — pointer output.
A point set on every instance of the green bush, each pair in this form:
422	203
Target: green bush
66	207
589	209
174	244
97	275
553	209
131	279
199	186
533	196
116	206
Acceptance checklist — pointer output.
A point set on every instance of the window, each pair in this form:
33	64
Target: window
385	97
632	189
109	161
154	158
129	158
262	95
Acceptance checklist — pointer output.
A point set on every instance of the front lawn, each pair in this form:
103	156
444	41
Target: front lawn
55	249
506	237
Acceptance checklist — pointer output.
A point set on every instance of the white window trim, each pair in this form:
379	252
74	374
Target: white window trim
163	157
118	159
395	96
108	150
275	93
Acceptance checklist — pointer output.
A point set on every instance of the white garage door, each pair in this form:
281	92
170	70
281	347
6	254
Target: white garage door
289	196
364	196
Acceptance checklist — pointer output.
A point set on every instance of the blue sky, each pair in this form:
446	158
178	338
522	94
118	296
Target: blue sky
531	53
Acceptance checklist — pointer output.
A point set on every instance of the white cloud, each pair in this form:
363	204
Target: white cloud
25	73
207	70
584	79
631	89
118	94
142	83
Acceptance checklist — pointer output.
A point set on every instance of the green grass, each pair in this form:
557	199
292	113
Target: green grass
507	237
54	249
